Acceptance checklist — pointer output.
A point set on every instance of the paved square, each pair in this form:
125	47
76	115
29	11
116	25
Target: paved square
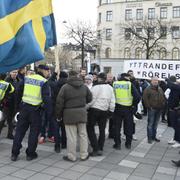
143	162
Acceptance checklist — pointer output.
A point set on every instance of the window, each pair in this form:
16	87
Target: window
99	18
107	70
151	32
109	16
163	12
100	1
163	32
108	1
175	53
108	52
163	53
151	13
99	34
139	14
175	32
108	34
138	32
127	53
138	53
127	34
176	12
128	14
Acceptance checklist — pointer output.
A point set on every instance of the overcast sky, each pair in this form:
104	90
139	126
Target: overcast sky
71	11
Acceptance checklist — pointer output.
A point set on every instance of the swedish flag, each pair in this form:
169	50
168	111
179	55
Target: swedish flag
27	28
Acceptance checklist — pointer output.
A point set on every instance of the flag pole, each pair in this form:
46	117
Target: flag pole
57	64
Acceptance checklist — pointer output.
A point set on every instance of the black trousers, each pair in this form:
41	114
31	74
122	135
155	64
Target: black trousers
29	117
8	114
175	122
63	134
96	116
123	114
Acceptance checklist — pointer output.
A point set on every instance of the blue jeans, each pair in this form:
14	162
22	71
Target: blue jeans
153	119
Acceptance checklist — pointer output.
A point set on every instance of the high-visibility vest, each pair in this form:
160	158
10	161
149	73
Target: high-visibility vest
3	88
32	89
123	94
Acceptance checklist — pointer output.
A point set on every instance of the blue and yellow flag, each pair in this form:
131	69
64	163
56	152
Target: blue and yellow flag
27	28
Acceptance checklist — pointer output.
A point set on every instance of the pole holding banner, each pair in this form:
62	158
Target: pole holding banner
57	63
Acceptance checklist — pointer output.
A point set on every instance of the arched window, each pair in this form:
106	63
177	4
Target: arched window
138	53
127	53
175	53
163	53
108	52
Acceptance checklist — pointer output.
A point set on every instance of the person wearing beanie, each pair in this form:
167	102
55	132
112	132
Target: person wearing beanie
89	81
71	107
103	102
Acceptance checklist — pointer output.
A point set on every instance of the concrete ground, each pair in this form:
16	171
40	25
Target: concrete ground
142	162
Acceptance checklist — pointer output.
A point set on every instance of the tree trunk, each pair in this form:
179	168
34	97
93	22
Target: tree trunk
82	51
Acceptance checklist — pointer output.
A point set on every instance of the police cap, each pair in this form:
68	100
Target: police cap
43	67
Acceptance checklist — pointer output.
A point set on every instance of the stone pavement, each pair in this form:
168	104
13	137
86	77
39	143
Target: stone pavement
142	162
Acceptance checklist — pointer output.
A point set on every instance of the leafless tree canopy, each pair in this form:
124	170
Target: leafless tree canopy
146	34
82	35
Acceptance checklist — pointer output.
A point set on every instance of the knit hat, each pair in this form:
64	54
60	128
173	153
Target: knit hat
89	77
102	76
63	74
44	67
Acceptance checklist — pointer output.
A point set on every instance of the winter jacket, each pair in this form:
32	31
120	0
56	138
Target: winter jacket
71	102
174	96
154	97
103	97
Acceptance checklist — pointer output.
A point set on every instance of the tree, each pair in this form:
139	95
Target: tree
148	34
83	35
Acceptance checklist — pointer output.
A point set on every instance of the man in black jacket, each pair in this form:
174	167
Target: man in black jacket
71	106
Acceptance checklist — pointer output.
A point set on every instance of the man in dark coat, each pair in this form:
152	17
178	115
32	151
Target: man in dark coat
71	106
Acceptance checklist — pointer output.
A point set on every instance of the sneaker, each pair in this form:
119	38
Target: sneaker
176	145
32	157
176	163
150	141
41	140
67	159
51	139
123	137
13	157
134	138
172	141
84	159
117	147
95	153
57	148
128	146
157	140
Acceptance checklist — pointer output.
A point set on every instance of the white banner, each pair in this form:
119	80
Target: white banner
146	69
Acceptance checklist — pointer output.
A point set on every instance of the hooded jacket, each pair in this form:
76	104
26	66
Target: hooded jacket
71	101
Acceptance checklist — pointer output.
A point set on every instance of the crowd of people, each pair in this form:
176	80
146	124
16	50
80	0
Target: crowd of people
61	108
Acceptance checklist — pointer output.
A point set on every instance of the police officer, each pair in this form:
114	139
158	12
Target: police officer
126	96
35	92
5	89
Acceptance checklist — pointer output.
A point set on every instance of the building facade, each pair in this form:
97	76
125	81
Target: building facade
116	43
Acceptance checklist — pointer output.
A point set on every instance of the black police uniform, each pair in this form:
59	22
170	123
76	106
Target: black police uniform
30	117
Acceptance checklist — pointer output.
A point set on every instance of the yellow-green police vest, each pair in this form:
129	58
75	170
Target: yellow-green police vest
3	88
32	89
123	94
